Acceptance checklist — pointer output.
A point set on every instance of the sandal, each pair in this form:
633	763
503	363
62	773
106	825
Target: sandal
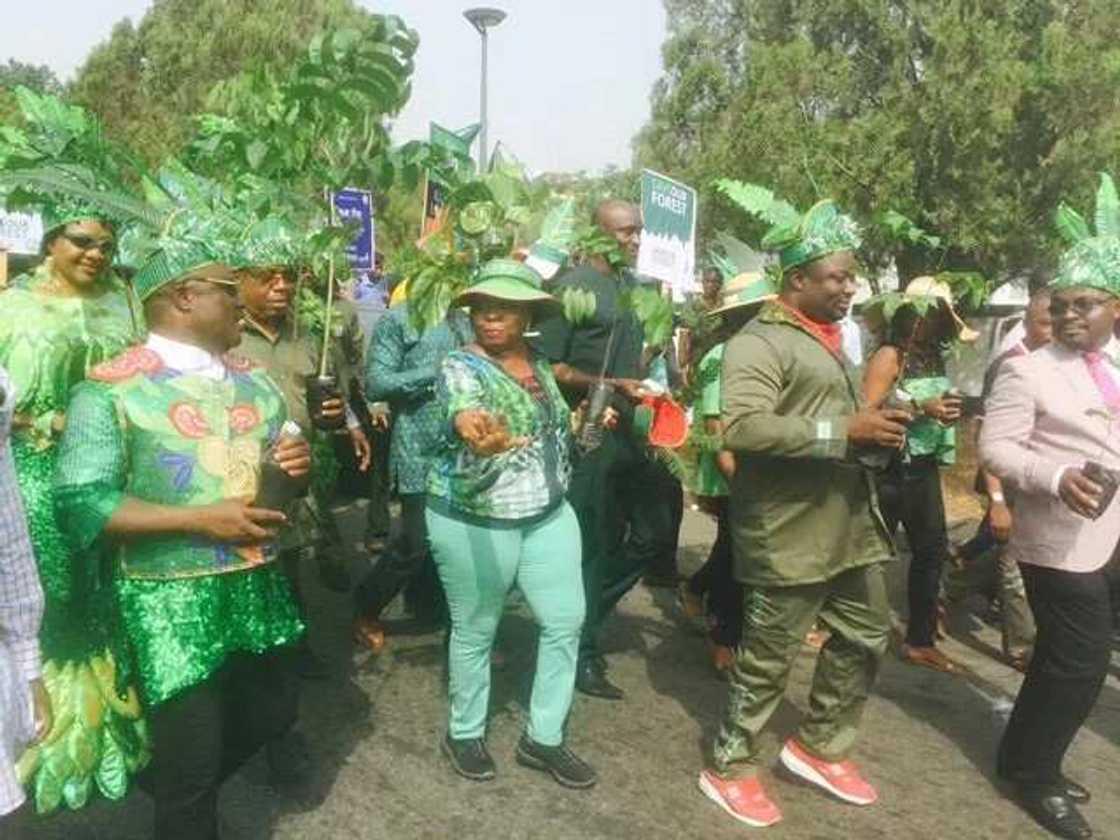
930	657
1018	661
370	634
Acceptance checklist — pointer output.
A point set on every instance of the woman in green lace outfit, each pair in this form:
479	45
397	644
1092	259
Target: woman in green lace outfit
56	323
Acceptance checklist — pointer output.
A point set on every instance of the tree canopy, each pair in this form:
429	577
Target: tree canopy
148	81
972	119
40	79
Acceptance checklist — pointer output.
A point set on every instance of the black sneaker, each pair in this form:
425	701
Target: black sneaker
560	762
469	758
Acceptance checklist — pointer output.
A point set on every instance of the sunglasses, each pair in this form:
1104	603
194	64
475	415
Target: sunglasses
1083	306
107	247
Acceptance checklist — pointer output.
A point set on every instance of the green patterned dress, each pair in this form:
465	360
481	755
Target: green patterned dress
48	343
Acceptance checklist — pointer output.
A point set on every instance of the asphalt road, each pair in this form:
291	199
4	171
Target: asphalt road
928	744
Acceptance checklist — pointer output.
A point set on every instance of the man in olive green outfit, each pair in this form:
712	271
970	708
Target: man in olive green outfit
809	542
268	338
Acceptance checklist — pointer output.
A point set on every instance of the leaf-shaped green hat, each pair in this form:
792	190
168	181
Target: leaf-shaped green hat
796	238
1093	261
271	242
200	228
823	230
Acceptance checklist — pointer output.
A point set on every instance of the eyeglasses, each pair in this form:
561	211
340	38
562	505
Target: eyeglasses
1083	306
225	286
107	247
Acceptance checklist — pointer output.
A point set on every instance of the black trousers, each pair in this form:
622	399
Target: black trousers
201	737
404	561
1074	614
623	500
910	495
715	579
377	515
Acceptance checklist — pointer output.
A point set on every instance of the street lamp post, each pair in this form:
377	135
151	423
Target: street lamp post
483	19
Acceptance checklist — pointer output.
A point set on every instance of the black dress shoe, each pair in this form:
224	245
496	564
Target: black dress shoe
1074	792
1055	812
591	679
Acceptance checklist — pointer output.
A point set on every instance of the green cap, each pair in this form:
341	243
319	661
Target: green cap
821	231
174	261
58	212
506	279
272	241
1092	263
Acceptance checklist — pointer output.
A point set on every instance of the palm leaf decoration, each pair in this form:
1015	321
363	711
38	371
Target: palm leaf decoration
26	187
1106	219
759	202
61	154
1108	207
739	254
1071	224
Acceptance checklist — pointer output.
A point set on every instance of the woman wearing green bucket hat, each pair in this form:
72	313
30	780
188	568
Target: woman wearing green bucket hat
497	515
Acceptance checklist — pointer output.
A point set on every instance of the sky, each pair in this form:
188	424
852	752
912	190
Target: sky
570	81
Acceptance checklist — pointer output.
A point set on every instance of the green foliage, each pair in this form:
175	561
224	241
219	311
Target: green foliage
759	202
591	242
14	74
59	153
319	123
970	119
485	218
149	80
579	305
654	311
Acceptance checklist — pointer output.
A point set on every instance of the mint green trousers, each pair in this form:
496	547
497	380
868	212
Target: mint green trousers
478	566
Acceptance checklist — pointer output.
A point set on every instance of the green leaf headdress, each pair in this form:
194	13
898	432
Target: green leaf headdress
198	227
1093	260
60	164
797	238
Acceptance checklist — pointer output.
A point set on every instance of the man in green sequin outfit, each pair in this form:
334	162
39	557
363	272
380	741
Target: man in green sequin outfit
159	461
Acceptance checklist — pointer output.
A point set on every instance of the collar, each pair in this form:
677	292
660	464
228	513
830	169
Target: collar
187	358
267	333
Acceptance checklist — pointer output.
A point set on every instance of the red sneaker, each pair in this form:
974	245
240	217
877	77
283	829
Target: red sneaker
743	799
841	778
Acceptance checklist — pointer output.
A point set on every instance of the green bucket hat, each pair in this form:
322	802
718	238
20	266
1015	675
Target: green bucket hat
750	289
506	279
821	231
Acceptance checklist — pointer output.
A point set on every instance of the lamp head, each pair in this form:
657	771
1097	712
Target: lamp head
484	18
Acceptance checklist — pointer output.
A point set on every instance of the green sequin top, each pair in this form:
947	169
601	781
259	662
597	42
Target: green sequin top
143	429
47	344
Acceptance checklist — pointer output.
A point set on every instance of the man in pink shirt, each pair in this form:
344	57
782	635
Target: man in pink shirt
1051	433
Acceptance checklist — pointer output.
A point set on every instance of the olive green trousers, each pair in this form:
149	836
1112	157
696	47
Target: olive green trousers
853	606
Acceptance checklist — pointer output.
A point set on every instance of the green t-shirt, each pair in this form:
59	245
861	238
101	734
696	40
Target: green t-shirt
709	480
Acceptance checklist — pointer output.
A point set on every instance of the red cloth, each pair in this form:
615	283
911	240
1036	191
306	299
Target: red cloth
828	333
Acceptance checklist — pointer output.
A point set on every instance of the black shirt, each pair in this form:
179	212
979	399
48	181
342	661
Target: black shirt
584	345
